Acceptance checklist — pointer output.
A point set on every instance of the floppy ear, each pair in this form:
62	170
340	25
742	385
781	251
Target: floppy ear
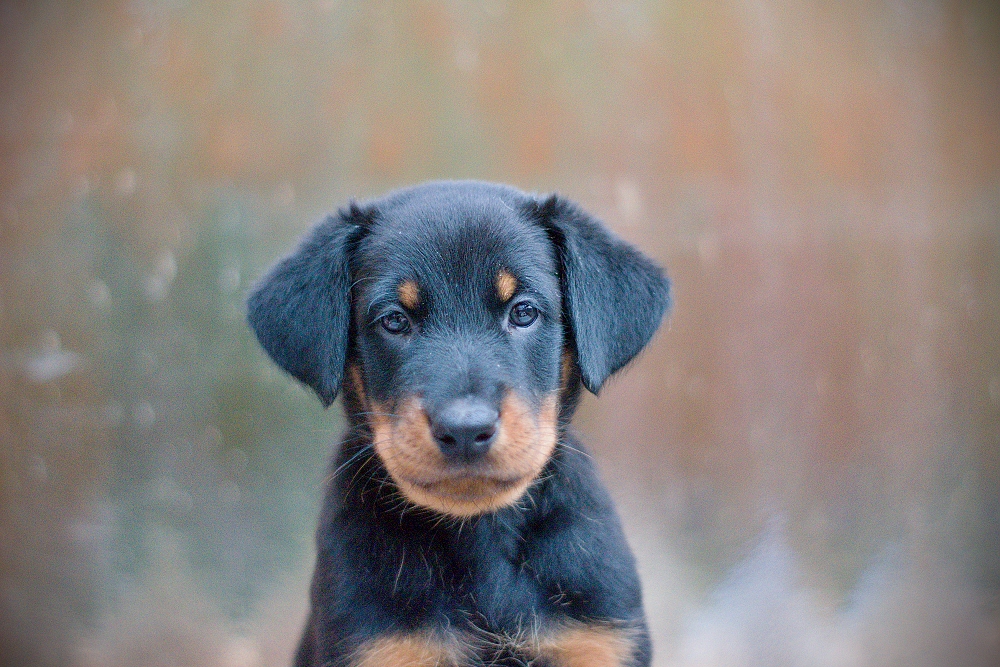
300	310
614	297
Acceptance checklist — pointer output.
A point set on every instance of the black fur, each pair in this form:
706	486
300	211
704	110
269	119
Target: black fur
386	566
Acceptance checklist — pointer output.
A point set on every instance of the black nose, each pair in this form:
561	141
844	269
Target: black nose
465	428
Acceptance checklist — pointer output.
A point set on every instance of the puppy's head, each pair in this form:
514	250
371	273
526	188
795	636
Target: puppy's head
461	317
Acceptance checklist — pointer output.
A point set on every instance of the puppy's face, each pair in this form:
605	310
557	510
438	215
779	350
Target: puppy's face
458	339
446	309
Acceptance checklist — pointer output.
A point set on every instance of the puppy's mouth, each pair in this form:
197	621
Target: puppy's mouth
464	495
525	440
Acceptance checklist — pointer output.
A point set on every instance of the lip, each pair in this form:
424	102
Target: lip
463	484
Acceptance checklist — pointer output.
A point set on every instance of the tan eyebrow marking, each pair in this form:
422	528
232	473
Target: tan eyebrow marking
506	285
409	294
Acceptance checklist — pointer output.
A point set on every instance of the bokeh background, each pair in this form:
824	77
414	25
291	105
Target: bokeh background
807	458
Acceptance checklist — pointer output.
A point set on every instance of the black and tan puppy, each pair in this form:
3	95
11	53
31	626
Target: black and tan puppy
463	524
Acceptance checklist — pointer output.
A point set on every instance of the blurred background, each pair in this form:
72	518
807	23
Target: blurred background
807	457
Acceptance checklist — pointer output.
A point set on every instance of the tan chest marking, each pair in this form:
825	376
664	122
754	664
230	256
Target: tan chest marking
414	650
575	645
581	645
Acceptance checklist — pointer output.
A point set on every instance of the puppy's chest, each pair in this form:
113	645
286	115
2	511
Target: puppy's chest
481	577
462	604
475	599
497	613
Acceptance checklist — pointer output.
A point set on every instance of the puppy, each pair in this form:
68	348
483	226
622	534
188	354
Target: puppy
463	523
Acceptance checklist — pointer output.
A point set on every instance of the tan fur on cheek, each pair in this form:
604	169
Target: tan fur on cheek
409	294
506	285
358	384
566	370
405	444
417	650
525	441
581	645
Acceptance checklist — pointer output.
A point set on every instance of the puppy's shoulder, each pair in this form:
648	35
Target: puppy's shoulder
578	546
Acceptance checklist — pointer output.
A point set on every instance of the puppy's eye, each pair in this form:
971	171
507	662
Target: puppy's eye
523	314
395	322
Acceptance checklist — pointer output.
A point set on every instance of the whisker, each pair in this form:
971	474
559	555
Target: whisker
354	457
350	485
569	447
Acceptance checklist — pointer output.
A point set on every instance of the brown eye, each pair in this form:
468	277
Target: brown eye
523	314
395	322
